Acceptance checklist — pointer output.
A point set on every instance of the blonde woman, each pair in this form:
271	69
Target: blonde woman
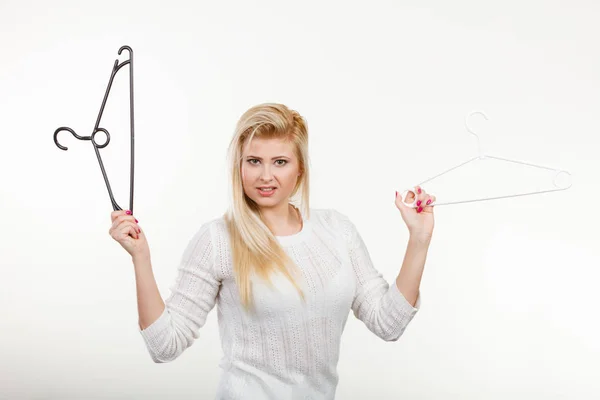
284	277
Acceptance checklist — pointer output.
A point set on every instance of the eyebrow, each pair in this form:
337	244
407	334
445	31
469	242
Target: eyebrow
259	158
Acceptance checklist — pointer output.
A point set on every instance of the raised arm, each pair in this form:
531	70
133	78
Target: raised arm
193	296
379	305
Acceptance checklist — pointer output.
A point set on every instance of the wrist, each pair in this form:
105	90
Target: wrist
420	237
140	258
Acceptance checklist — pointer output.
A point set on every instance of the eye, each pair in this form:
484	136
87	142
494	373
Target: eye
250	160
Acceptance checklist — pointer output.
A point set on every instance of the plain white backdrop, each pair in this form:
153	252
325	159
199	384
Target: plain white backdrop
510	298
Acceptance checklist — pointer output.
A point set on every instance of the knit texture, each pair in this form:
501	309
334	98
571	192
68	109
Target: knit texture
285	349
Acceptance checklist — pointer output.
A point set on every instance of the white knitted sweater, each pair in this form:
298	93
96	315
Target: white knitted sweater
286	349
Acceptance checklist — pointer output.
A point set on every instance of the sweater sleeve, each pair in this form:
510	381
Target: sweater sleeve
192	297
379	305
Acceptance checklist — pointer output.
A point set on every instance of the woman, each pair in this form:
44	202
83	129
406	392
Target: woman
284	278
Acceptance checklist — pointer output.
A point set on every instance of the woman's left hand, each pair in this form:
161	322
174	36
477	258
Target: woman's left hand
418	220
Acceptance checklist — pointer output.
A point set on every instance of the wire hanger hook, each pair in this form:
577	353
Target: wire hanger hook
481	155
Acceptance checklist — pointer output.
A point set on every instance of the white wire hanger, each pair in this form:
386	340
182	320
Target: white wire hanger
483	156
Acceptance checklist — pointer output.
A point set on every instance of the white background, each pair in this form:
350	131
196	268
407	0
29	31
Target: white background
510	298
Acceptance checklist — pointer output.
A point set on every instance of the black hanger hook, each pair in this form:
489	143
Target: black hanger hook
64	128
115	69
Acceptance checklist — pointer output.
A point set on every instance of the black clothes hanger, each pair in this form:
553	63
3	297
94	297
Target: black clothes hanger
116	68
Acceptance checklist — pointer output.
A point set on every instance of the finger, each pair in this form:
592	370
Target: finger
136	227
115	214
133	232
121	218
421	199
416	197
137	231
122	229
409	200
129	230
427	206
118	221
399	203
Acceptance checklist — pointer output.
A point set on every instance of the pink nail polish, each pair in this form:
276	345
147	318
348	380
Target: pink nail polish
396	193
419	202
428	201
128	212
136	221
419	209
419	190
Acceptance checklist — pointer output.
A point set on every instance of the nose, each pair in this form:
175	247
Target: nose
266	174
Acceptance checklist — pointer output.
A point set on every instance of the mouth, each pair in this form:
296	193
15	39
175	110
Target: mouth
266	191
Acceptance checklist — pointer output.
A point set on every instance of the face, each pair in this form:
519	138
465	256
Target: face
269	162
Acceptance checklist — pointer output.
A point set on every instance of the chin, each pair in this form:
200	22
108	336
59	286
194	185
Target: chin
267	201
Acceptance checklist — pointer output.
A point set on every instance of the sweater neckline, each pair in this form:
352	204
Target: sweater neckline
296	237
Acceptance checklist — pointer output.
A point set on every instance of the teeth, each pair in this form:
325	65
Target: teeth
266	190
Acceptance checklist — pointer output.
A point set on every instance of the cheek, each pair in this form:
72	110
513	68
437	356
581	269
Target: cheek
246	173
248	176
290	178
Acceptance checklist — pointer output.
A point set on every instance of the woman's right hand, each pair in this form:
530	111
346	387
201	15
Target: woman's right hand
128	233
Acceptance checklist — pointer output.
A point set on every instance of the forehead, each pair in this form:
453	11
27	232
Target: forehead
261	146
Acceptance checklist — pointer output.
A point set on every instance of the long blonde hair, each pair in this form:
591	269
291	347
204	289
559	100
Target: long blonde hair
254	247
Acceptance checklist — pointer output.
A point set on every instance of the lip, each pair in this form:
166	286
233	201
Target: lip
266	194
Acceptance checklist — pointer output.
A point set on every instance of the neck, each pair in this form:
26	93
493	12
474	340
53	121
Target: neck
282	220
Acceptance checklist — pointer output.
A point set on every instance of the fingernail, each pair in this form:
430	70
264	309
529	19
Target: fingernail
419	209
419	202
128	212
396	193
428	201
137	221
419	190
